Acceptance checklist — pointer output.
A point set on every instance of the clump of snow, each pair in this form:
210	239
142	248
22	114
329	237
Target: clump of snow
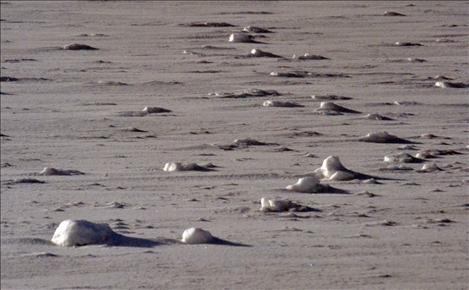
72	233
308	184
196	236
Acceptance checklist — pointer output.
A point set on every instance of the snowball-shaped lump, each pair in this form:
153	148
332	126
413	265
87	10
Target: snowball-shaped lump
308	184
375	116
260	53
441	84
48	171
332	169
331	106
172	166
286	104
240	37
178	166
71	233
429	167
256	29
269	103
331	165
78	46
382	137
150	110
196	236
276	205
401	158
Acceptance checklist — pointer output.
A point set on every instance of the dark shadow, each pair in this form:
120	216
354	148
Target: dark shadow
395	140
361	176
294	208
115	240
456	85
218	241
24	181
118	240
322	189
330	189
208	24
256	41
201	168
303	208
243	144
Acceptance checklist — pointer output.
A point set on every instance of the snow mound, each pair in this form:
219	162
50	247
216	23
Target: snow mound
72	233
